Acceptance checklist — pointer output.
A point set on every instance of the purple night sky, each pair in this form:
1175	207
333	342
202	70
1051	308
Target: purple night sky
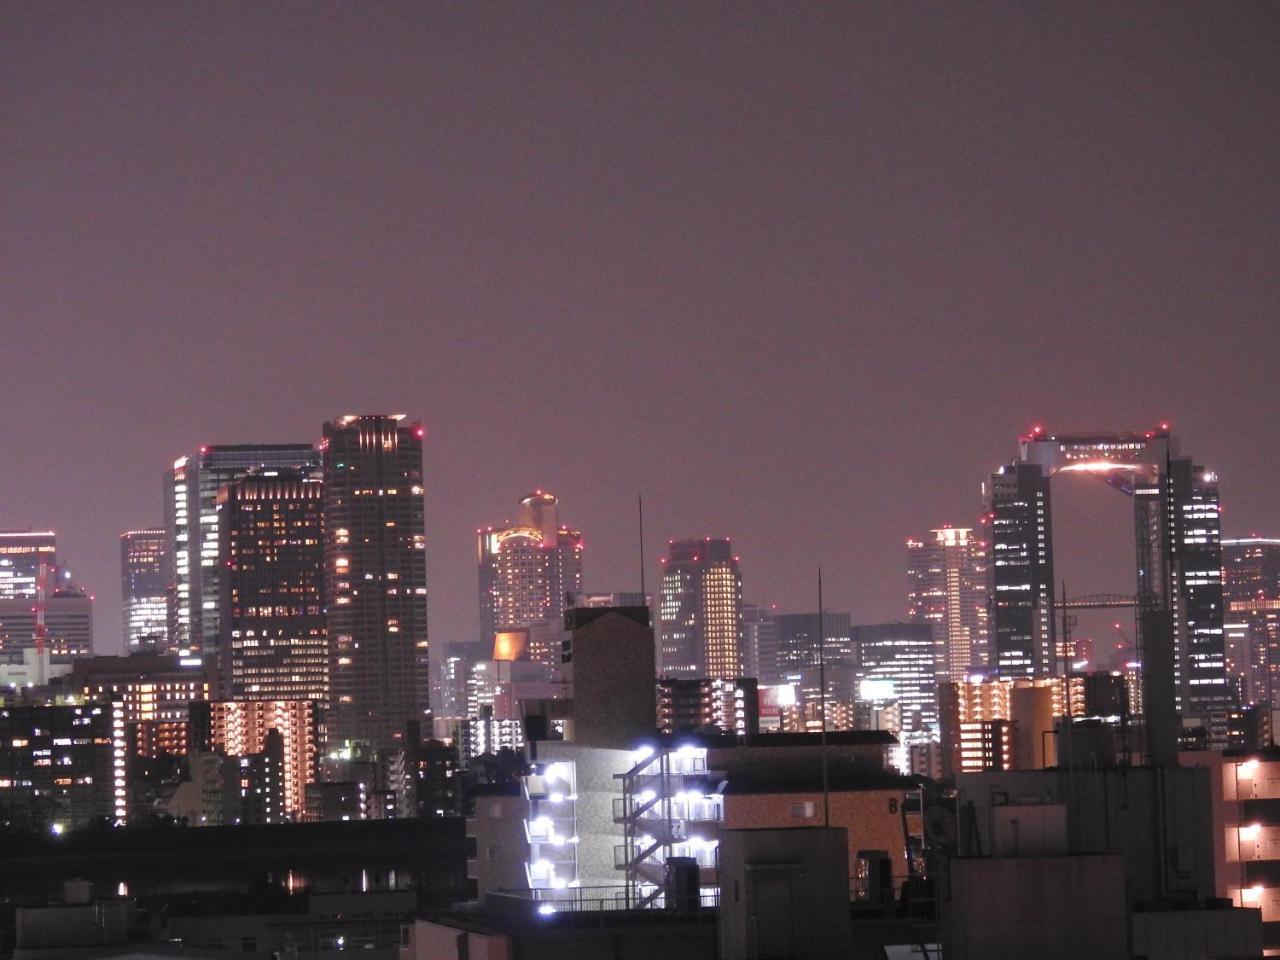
801	273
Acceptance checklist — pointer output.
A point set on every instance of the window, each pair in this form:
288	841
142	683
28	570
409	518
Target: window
804	810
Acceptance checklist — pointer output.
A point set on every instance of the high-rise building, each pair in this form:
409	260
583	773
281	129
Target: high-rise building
948	581
527	569
68	625
798	640
760	643
1251	588
191	522
21	554
273	645
63	762
700	610
375	578
242	728
1179	554
143	589
898	658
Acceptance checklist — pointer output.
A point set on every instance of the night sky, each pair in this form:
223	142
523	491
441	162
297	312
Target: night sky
799	272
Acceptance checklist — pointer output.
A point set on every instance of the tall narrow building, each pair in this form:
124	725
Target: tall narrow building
274	645
527	569
948	580
700	610
191	520
375	578
143	584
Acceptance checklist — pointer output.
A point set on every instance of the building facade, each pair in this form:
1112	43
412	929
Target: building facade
68	625
375	578
798	639
63	764
700	610
144	588
896	661
1251	591
242	729
527	569
22	552
948	576
273	643
191	522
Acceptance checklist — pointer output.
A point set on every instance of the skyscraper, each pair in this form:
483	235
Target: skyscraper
700	611
1179	554
798	640
1022	572
273	645
948	577
191	521
21	553
1251	588
760	643
375	577
899	656
143	586
527	568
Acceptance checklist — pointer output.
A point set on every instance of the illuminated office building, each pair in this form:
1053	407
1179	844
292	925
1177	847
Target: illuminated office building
1179	553
527	569
143	589
274	645
897	658
375	578
21	553
1251	587
948	582
191	522
148	687
700	610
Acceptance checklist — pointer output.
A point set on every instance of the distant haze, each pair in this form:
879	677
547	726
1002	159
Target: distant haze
799	273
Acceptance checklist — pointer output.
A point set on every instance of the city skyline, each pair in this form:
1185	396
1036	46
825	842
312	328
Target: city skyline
876	273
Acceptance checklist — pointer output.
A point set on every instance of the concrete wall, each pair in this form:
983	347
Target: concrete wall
1112	810
1049	908
502	849
1197	934
439	941
872	818
611	676
781	894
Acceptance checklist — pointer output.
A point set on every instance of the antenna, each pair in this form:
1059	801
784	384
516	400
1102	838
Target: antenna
822	700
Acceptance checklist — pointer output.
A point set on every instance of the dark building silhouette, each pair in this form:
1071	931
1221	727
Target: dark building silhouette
376	577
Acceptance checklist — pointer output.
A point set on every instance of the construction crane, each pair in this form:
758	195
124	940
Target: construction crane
43	572
1128	642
